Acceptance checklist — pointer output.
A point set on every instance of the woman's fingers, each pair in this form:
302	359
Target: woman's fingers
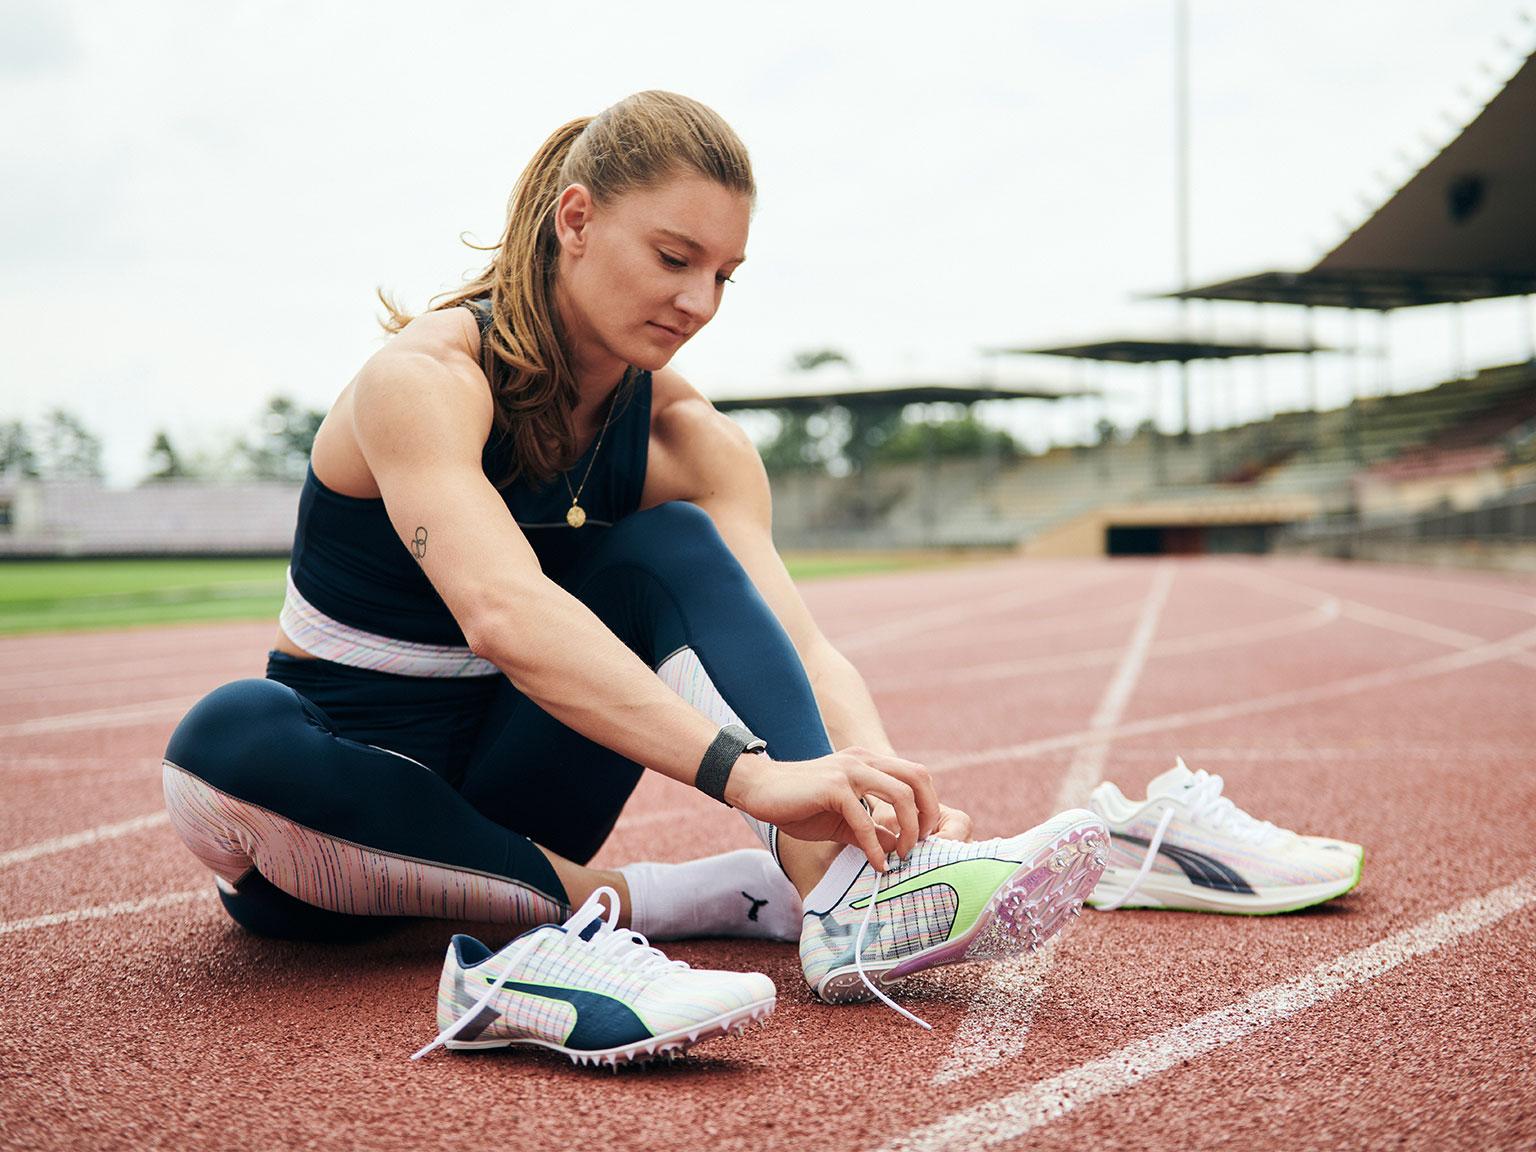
920	781
862	825
887	827
900	796
953	824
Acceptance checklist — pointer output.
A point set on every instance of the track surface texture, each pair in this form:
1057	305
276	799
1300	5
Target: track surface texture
1391	706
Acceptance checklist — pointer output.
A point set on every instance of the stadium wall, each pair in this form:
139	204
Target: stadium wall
42	519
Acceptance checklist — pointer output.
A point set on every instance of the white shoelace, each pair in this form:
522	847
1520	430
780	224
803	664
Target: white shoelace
1146	862
858	956
1208	807
858	944
624	948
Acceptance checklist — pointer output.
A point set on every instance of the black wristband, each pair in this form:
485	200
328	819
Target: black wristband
721	756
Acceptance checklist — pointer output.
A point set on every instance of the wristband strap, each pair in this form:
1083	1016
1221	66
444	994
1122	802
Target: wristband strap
727	747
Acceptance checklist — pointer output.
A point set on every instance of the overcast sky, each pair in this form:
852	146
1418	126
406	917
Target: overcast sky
199	199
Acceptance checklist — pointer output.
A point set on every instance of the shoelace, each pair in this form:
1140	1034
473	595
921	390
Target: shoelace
1146	862
858	956
624	948
858	944
1206	806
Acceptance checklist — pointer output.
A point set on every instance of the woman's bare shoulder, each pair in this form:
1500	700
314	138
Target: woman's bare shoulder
679	411
448	335
437	352
690	440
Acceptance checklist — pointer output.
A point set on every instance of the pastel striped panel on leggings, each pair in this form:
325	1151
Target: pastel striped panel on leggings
232	836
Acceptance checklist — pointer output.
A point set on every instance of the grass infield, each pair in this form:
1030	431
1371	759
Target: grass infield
60	595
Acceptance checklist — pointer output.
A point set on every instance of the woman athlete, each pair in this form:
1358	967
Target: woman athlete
532	561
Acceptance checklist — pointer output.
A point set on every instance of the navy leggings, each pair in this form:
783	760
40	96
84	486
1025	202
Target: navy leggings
329	799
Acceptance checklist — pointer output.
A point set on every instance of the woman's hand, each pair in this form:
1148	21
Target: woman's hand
953	823
821	799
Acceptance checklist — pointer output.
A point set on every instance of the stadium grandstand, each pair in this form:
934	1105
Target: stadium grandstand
1445	473
43	518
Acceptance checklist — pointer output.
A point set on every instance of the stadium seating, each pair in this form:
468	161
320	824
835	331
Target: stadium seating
1295	463
81	518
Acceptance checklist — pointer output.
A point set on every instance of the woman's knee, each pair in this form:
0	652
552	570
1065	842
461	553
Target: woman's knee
675	539
238	727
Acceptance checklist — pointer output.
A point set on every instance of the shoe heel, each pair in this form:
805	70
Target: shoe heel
846	988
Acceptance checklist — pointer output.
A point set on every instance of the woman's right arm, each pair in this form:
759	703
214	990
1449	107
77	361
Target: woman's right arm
421	411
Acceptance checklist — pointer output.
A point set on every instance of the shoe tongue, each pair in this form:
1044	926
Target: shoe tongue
1176	779
591	929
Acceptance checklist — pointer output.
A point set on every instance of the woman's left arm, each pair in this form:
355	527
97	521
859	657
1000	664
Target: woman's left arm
727	479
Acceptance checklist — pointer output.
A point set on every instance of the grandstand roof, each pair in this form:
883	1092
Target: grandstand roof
1469	209
1137	351
902	394
1461	229
1376	290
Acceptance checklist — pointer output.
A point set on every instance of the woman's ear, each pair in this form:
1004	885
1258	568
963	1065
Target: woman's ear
573	212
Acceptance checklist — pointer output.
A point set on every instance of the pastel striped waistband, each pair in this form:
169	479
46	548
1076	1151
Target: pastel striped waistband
319	635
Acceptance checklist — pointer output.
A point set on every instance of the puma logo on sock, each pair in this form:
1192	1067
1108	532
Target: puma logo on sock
756	904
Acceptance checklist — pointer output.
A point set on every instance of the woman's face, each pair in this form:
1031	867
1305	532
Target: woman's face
641	274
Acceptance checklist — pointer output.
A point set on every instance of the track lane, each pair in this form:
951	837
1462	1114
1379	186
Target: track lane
321	1031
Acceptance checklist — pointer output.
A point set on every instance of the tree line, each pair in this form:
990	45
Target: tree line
61	447
839	440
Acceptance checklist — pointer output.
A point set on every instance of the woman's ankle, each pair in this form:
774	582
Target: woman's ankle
805	862
580	882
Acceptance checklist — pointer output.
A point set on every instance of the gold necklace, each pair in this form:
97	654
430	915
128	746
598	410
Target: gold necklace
574	515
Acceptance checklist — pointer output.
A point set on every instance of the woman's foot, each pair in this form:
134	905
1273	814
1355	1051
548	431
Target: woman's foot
947	902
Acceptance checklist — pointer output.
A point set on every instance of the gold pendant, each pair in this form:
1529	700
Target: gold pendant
575	517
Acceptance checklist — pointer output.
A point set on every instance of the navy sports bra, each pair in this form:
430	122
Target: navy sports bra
349	564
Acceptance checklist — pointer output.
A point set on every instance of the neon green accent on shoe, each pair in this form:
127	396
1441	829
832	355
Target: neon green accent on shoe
973	882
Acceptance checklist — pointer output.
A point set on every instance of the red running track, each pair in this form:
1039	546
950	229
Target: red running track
1391	706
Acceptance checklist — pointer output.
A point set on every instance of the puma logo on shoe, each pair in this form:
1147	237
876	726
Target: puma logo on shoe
756	904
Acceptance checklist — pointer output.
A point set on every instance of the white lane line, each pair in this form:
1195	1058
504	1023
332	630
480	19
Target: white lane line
1451	751
46	763
80	839
997	1021
109	665
103	911
1032	628
877	634
85	692
1087	765
120	716
1331	690
998	1016
1366	614
1316	617
1018	1113
1261	753
85	672
1487	595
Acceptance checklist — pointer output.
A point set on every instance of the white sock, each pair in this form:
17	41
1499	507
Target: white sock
837	879
741	893
684	674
